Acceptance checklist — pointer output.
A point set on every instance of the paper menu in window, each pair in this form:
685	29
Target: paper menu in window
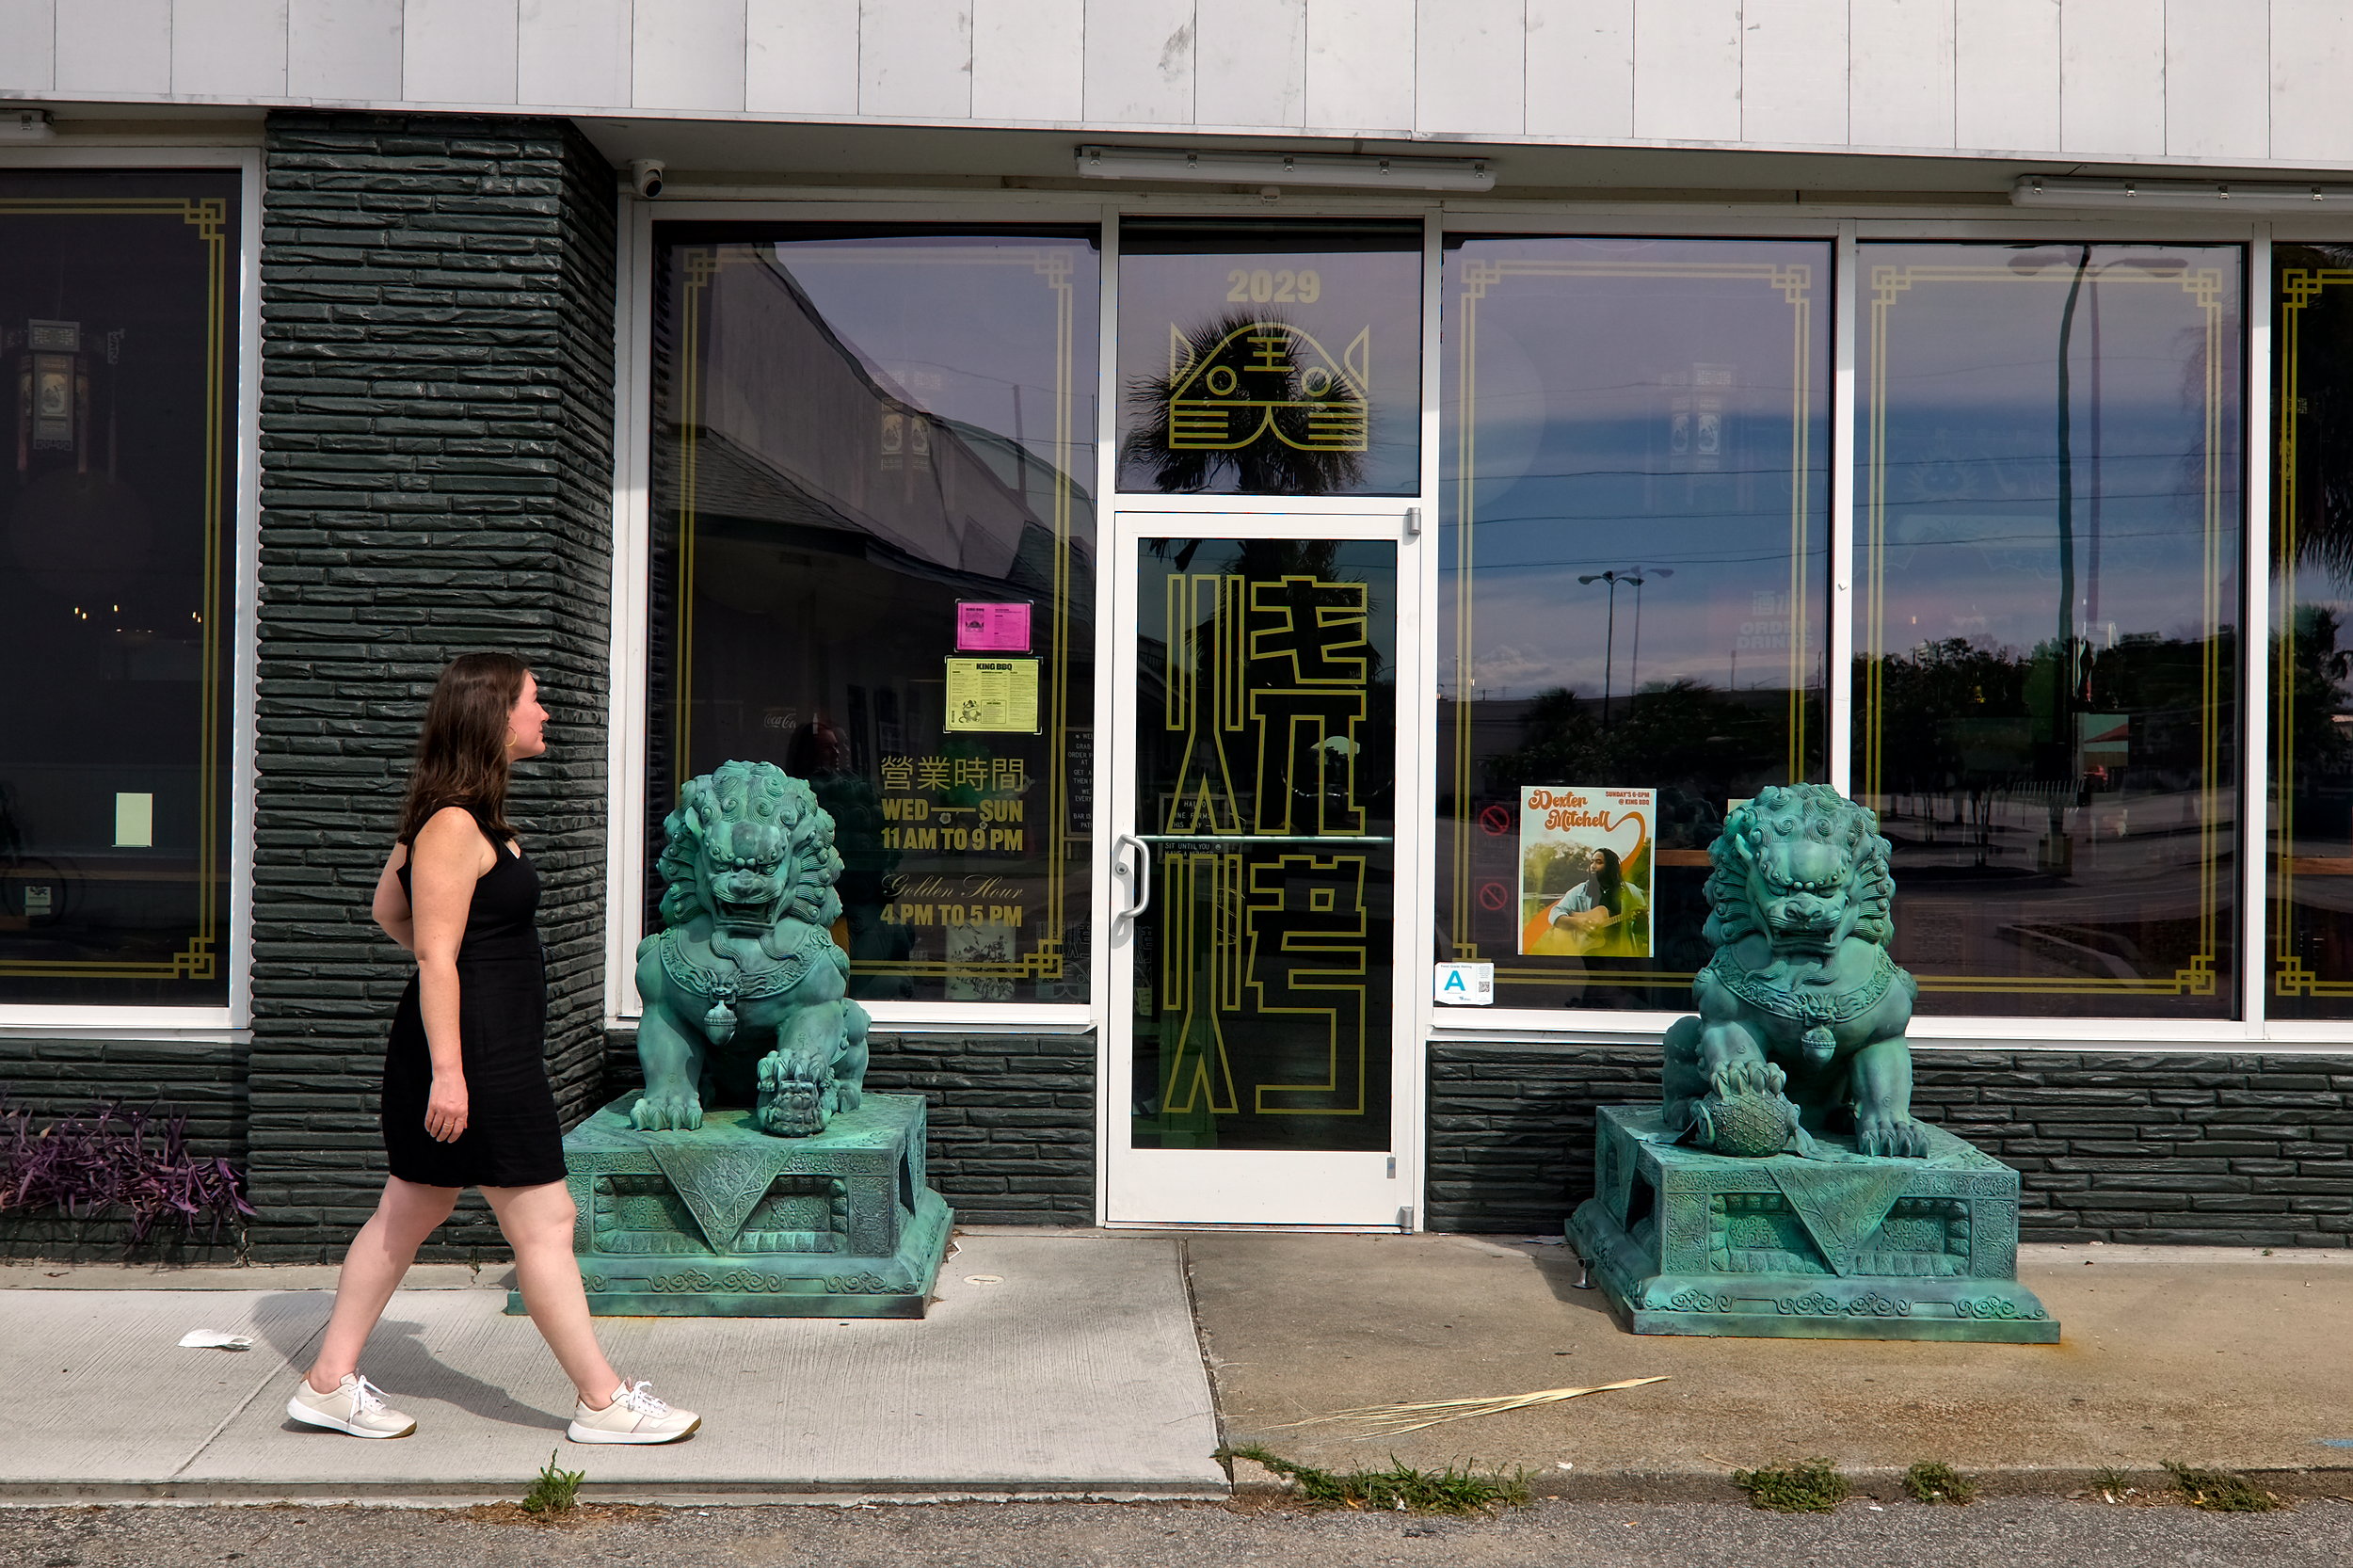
986	628
993	694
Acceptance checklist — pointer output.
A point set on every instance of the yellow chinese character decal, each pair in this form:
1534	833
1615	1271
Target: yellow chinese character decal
1267	379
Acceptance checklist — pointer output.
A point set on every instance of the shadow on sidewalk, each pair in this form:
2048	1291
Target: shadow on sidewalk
398	1361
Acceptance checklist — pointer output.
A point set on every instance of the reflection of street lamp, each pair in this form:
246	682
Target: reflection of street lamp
1634	660
1609	642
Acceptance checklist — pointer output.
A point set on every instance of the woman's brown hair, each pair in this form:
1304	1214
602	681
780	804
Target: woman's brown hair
462	752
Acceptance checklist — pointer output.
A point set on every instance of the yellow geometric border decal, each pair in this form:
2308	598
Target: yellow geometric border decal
2210	288
209	216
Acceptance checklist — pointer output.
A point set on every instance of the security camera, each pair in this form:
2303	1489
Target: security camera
644	177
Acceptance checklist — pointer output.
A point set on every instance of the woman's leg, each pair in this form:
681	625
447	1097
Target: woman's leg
538	1221
380	1256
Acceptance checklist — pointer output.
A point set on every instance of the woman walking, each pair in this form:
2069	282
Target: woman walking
466	1100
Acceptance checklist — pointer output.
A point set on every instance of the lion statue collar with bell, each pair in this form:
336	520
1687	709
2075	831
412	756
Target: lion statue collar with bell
1802	1010
746	996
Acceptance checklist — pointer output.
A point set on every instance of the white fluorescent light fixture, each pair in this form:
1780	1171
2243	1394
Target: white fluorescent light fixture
2181	196
1353	170
26	125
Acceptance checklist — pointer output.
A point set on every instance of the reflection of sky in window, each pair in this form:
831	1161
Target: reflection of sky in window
963	327
1970	467
1591	456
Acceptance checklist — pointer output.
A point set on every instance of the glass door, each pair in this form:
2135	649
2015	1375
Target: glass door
1259	1056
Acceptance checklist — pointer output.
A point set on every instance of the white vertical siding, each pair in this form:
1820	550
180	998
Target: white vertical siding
124	45
2112	76
343	49
915	58
1140	61
28	45
1470	66
801	57
2311	62
1250	67
2006	73
1902	75
2218	80
688	54
1687	70
1360	64
572	52
459	52
229	48
1028	59
1793	70
1581	68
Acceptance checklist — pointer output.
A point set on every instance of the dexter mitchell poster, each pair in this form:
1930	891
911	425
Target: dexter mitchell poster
1585	871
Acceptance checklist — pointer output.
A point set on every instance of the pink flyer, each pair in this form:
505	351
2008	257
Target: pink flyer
992	628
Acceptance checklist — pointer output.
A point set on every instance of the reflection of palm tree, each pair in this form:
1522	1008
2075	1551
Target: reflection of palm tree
1283	461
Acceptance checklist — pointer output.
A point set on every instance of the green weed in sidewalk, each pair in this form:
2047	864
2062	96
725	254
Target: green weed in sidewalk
1932	1480
555	1491
1809	1486
1399	1487
2219	1491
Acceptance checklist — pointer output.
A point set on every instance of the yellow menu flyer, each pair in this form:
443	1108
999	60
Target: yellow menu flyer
993	694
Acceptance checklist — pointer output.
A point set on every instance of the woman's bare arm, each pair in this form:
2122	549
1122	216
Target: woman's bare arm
390	909
450	854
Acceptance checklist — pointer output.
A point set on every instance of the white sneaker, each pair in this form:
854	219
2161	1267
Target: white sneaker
635	1416
357	1406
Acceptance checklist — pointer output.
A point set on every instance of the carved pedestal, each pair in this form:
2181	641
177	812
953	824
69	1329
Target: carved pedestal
728	1222
1852	1248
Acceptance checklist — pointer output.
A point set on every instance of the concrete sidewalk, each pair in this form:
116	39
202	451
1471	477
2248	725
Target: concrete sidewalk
1076	1372
1050	1365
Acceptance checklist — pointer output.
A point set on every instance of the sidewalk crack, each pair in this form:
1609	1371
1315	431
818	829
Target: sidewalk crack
211	1437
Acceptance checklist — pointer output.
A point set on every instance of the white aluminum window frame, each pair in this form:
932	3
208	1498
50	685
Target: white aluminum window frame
229	1023
1845	226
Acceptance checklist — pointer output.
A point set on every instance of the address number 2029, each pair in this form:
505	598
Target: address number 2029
1277	286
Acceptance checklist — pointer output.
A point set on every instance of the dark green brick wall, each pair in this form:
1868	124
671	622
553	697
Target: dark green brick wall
437	421
2226	1150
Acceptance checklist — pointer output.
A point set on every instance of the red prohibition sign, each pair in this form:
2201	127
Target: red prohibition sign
1497	821
1494	895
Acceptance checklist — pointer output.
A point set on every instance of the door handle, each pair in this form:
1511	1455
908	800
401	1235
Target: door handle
1143	874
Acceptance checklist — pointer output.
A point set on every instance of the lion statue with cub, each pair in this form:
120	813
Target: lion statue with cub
746	991
1802	1012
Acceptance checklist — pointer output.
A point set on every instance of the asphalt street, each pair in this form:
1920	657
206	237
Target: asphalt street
2003	1532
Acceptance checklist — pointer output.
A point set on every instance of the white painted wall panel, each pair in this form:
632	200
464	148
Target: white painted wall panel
1251	65
28	45
2006	73
1581	68
688	54
1360	64
1687	70
1028	59
344	49
458	51
1902	72
915	58
1793	70
2218	80
115	46
2311	62
1470	66
229	48
2112	76
801	57
1140	61
573	52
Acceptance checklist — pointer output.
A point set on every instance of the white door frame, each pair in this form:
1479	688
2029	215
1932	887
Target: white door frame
1287	1189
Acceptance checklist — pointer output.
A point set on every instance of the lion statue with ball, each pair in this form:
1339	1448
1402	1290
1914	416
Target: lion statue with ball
1802	1012
746	993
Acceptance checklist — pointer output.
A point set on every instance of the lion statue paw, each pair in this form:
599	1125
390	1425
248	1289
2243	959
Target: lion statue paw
678	1110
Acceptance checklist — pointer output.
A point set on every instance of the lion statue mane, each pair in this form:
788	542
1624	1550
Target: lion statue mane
1802	1010
746	994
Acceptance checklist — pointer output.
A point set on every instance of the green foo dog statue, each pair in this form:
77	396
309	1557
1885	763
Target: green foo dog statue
1782	1186
746	991
754	1176
1802	1012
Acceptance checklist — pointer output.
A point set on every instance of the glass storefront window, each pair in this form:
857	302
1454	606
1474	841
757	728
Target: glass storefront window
118	339
1632	594
1270	359
874	566
2310	974
2047	642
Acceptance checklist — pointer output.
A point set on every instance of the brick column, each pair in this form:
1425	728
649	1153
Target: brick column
437	418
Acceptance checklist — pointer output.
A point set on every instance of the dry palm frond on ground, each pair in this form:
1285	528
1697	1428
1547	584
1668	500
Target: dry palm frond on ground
1395	1420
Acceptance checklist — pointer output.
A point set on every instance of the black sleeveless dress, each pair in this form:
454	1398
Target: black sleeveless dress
512	1137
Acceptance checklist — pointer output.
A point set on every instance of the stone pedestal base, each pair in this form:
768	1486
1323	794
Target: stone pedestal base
1847	1248
728	1222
